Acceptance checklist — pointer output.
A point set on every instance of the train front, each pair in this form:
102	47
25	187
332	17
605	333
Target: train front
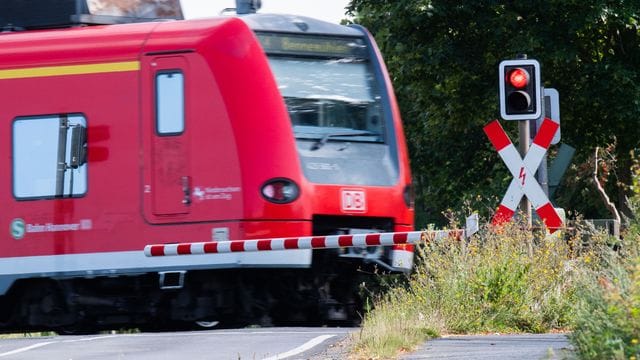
348	131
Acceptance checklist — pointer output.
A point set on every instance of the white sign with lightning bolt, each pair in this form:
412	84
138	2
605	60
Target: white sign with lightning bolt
524	183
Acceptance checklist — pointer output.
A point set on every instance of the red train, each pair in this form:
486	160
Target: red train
236	127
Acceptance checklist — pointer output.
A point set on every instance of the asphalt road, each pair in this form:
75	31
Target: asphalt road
253	344
272	344
489	347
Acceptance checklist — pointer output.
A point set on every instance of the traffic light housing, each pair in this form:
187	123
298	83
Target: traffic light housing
520	97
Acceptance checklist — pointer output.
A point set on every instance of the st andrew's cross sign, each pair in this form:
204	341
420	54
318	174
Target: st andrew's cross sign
524	183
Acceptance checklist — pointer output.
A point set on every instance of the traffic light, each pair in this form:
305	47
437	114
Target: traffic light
520	89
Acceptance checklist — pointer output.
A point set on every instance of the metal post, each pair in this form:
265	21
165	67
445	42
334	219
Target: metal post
523	148
62	154
543	175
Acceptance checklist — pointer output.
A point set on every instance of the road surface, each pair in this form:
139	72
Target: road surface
488	347
253	344
272	344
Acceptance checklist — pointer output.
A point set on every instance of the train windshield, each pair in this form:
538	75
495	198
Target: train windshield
328	86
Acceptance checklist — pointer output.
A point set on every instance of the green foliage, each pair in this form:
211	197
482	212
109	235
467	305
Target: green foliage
505	280
500	281
607	321
607	324
443	57
395	325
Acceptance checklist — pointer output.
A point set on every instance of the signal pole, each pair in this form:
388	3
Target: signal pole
524	136
523	148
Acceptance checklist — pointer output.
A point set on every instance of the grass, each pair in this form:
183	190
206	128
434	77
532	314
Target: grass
503	280
506	280
27	335
392	328
607	320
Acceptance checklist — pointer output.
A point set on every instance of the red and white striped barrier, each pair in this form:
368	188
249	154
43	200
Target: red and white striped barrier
524	183
304	242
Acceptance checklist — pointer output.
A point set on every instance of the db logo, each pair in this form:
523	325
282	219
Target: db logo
353	200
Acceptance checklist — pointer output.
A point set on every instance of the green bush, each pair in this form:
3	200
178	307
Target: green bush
508	280
503	280
395	325
607	321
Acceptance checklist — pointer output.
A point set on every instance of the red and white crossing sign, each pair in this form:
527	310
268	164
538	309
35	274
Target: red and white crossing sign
524	183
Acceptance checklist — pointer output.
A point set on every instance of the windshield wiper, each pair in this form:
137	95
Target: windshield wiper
323	140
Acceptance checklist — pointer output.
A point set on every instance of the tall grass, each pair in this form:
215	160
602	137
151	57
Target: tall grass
503	280
396	325
507	280
607	321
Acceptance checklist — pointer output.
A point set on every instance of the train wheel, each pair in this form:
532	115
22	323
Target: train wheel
207	324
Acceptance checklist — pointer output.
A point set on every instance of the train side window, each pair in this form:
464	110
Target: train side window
49	156
170	102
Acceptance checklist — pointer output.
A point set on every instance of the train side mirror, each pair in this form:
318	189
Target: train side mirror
78	146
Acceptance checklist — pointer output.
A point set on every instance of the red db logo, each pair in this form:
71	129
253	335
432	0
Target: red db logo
353	200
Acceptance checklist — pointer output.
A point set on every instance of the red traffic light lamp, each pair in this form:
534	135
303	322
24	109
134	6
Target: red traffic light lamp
520	94
518	78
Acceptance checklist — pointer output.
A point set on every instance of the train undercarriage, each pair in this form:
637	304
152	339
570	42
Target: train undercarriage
328	293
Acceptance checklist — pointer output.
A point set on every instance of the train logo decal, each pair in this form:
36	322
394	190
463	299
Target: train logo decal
203	193
17	229
353	200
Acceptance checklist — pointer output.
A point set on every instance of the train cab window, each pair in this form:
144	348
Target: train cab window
328	93
49	156
329	85
170	102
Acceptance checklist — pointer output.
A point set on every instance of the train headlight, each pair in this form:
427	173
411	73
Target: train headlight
280	191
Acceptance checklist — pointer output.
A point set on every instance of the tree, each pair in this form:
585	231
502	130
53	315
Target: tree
443	57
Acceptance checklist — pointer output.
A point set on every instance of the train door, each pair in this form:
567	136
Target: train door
167	179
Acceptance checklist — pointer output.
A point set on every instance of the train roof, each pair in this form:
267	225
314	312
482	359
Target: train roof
127	40
296	24
105	42
17	15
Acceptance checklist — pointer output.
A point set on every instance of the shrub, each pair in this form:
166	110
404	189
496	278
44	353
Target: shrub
503	280
607	322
